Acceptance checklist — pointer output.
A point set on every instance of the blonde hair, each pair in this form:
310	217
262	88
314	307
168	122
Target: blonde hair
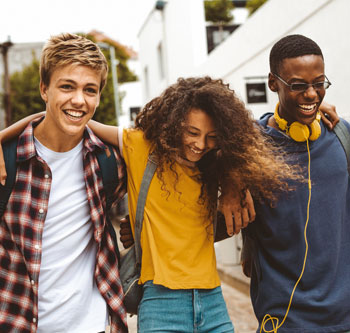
69	49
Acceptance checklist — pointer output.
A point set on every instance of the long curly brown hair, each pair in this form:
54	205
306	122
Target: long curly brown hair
244	157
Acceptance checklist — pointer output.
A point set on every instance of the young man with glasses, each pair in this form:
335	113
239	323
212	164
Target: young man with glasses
301	262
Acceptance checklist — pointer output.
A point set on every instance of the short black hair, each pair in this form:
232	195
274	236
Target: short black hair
292	46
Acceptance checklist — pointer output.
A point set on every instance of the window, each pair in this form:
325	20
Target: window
160	60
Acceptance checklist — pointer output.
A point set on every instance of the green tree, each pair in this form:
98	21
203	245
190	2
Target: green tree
26	99
25	94
218	11
253	5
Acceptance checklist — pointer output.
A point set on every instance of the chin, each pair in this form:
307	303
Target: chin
307	121
193	159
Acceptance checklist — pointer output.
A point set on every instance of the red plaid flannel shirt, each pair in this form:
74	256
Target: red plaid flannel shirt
21	230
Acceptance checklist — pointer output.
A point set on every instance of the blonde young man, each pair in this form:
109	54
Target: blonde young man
58	267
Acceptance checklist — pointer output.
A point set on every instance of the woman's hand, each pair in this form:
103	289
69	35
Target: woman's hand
329	115
243	212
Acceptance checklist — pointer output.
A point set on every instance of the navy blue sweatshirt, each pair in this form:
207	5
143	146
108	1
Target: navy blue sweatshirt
321	301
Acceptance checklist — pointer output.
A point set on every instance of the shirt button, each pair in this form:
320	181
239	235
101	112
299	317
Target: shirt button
46	176
41	211
37	247
32	282
34	320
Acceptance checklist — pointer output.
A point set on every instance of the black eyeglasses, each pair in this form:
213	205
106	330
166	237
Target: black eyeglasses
305	86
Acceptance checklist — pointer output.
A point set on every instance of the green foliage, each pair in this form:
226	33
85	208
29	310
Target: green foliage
26	99
253	5
25	94
218	11
105	113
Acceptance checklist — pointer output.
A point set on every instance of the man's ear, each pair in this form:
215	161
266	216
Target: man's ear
272	83
43	91
99	99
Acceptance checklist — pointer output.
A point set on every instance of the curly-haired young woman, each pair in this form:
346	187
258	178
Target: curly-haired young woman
203	139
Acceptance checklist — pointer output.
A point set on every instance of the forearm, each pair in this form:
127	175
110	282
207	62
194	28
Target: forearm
17	128
106	133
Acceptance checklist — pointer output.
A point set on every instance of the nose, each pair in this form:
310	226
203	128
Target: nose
311	92
78	98
201	143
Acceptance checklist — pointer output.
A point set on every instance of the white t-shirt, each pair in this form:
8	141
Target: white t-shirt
69	300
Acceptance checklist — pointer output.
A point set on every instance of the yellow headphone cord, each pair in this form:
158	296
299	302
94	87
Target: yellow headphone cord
268	317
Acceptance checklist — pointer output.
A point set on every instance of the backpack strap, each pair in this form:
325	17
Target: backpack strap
109	172
141	201
108	166
343	135
10	155
146	181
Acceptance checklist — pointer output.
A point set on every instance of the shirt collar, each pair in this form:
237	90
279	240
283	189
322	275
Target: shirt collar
26	148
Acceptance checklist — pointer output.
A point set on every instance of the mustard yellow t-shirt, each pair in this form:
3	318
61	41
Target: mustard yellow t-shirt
176	239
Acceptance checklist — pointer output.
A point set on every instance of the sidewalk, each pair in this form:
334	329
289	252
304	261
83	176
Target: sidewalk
234	277
235	288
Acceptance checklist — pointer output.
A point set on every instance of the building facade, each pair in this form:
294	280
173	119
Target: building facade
173	44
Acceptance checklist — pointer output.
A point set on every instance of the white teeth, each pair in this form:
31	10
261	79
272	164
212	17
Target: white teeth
196	151
307	107
75	114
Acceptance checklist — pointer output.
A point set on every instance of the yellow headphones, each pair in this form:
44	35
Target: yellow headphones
297	131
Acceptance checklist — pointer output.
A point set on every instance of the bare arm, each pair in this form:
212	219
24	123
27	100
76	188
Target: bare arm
11	132
106	133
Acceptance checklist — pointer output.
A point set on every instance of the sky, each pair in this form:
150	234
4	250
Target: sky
37	20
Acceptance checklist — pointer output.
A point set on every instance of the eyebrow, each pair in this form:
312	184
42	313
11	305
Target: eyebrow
300	79
197	129
74	82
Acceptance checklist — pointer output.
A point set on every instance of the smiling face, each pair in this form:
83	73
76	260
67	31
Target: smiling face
296	105
71	98
199	135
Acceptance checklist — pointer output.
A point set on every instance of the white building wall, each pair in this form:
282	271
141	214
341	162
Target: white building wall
184	18
246	52
150	36
132	98
180	29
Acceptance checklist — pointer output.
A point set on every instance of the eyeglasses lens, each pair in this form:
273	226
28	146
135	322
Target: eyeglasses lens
305	86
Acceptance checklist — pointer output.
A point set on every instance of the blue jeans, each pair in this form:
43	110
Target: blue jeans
183	310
